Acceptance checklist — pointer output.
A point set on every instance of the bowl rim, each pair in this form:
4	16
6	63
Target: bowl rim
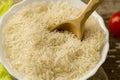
95	14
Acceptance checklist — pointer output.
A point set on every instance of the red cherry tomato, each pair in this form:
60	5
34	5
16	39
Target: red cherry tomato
114	24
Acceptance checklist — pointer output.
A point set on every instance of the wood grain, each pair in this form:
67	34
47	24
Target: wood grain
112	64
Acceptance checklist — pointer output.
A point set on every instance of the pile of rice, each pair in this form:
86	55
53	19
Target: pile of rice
35	53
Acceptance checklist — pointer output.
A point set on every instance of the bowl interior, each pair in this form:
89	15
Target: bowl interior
76	3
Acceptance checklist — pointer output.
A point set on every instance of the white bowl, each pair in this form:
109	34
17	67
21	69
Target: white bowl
76	3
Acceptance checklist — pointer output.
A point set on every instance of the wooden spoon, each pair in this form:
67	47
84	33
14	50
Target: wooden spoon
76	25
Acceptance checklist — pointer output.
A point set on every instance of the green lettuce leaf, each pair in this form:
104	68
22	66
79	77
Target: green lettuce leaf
5	5
4	75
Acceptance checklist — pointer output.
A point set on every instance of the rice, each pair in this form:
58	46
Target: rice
35	53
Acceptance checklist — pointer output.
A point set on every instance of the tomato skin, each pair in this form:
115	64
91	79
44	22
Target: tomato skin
114	24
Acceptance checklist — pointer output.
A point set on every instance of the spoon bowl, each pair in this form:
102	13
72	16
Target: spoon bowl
76	26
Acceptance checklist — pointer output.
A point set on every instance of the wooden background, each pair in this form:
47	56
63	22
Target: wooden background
112	64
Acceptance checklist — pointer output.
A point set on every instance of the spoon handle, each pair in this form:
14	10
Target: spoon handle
90	8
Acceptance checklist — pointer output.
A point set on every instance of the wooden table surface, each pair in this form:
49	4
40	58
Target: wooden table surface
112	64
